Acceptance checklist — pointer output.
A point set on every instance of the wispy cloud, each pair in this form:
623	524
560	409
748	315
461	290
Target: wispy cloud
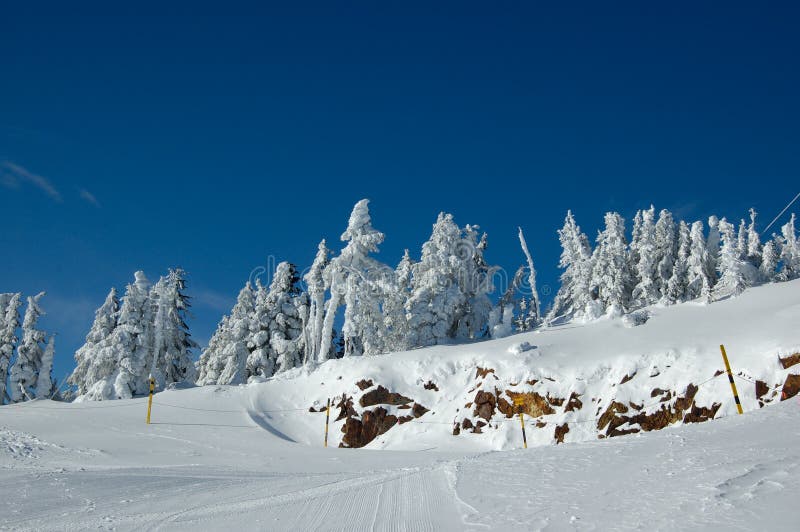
13	175
88	197
212	300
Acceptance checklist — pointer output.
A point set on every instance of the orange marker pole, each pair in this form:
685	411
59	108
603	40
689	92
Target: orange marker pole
150	399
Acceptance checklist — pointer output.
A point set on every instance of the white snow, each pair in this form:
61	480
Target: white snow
251	456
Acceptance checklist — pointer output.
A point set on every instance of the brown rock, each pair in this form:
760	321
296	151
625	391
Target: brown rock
609	415
345	407
373	423
363	384
761	391
483	372
418	410
634	405
533	404
431	386
456	429
531	382
404	419
699	414
484	405
561	431
627	378
382	396
466	424
789	361
790	387
574	403
555	401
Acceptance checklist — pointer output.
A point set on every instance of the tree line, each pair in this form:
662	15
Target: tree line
442	297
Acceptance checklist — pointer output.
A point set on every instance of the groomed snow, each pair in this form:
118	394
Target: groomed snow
251	457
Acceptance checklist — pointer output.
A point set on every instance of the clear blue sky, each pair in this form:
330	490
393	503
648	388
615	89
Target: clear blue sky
147	138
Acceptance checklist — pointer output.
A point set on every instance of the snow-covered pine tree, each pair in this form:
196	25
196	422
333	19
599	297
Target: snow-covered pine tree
645	270
677	285
754	248
449	286
25	371
699	285
610	274
363	329
9	322
502	320
475	281
732	276
574	297
666	251
713	249
171	360
132	340
45	384
224	361
394	307
769	261
534	317
315	283
279	316
741	239
95	361
790	252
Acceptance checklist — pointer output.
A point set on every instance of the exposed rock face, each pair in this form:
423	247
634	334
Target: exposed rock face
790	387
382	396
363	384
561	431
483	372
761	391
485	403
789	361
431	386
373	423
627	378
359	430
574	403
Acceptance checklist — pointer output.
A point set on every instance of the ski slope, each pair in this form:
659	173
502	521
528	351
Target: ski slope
251	457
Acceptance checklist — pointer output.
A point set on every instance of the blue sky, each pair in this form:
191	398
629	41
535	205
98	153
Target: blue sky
147	139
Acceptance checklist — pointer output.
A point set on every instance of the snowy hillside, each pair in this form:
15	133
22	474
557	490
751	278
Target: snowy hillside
252	457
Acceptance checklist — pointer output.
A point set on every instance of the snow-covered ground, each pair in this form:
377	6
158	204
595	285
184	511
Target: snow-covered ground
251	457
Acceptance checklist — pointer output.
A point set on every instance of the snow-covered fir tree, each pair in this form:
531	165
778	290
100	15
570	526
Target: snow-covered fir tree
699	284
790	252
534	317
610	274
95	360
279	317
769	261
394	307
502	320
171	360
351	277
732	275
224	361
449	286
754	249
25	371
9	322
315	283
45	384
713	249
645	269
132	340
574	298
666	251
676	291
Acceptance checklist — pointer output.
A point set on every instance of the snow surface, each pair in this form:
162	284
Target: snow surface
251	457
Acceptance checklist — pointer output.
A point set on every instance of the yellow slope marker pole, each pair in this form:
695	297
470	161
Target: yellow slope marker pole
150	399
519	402
730	378
327	419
